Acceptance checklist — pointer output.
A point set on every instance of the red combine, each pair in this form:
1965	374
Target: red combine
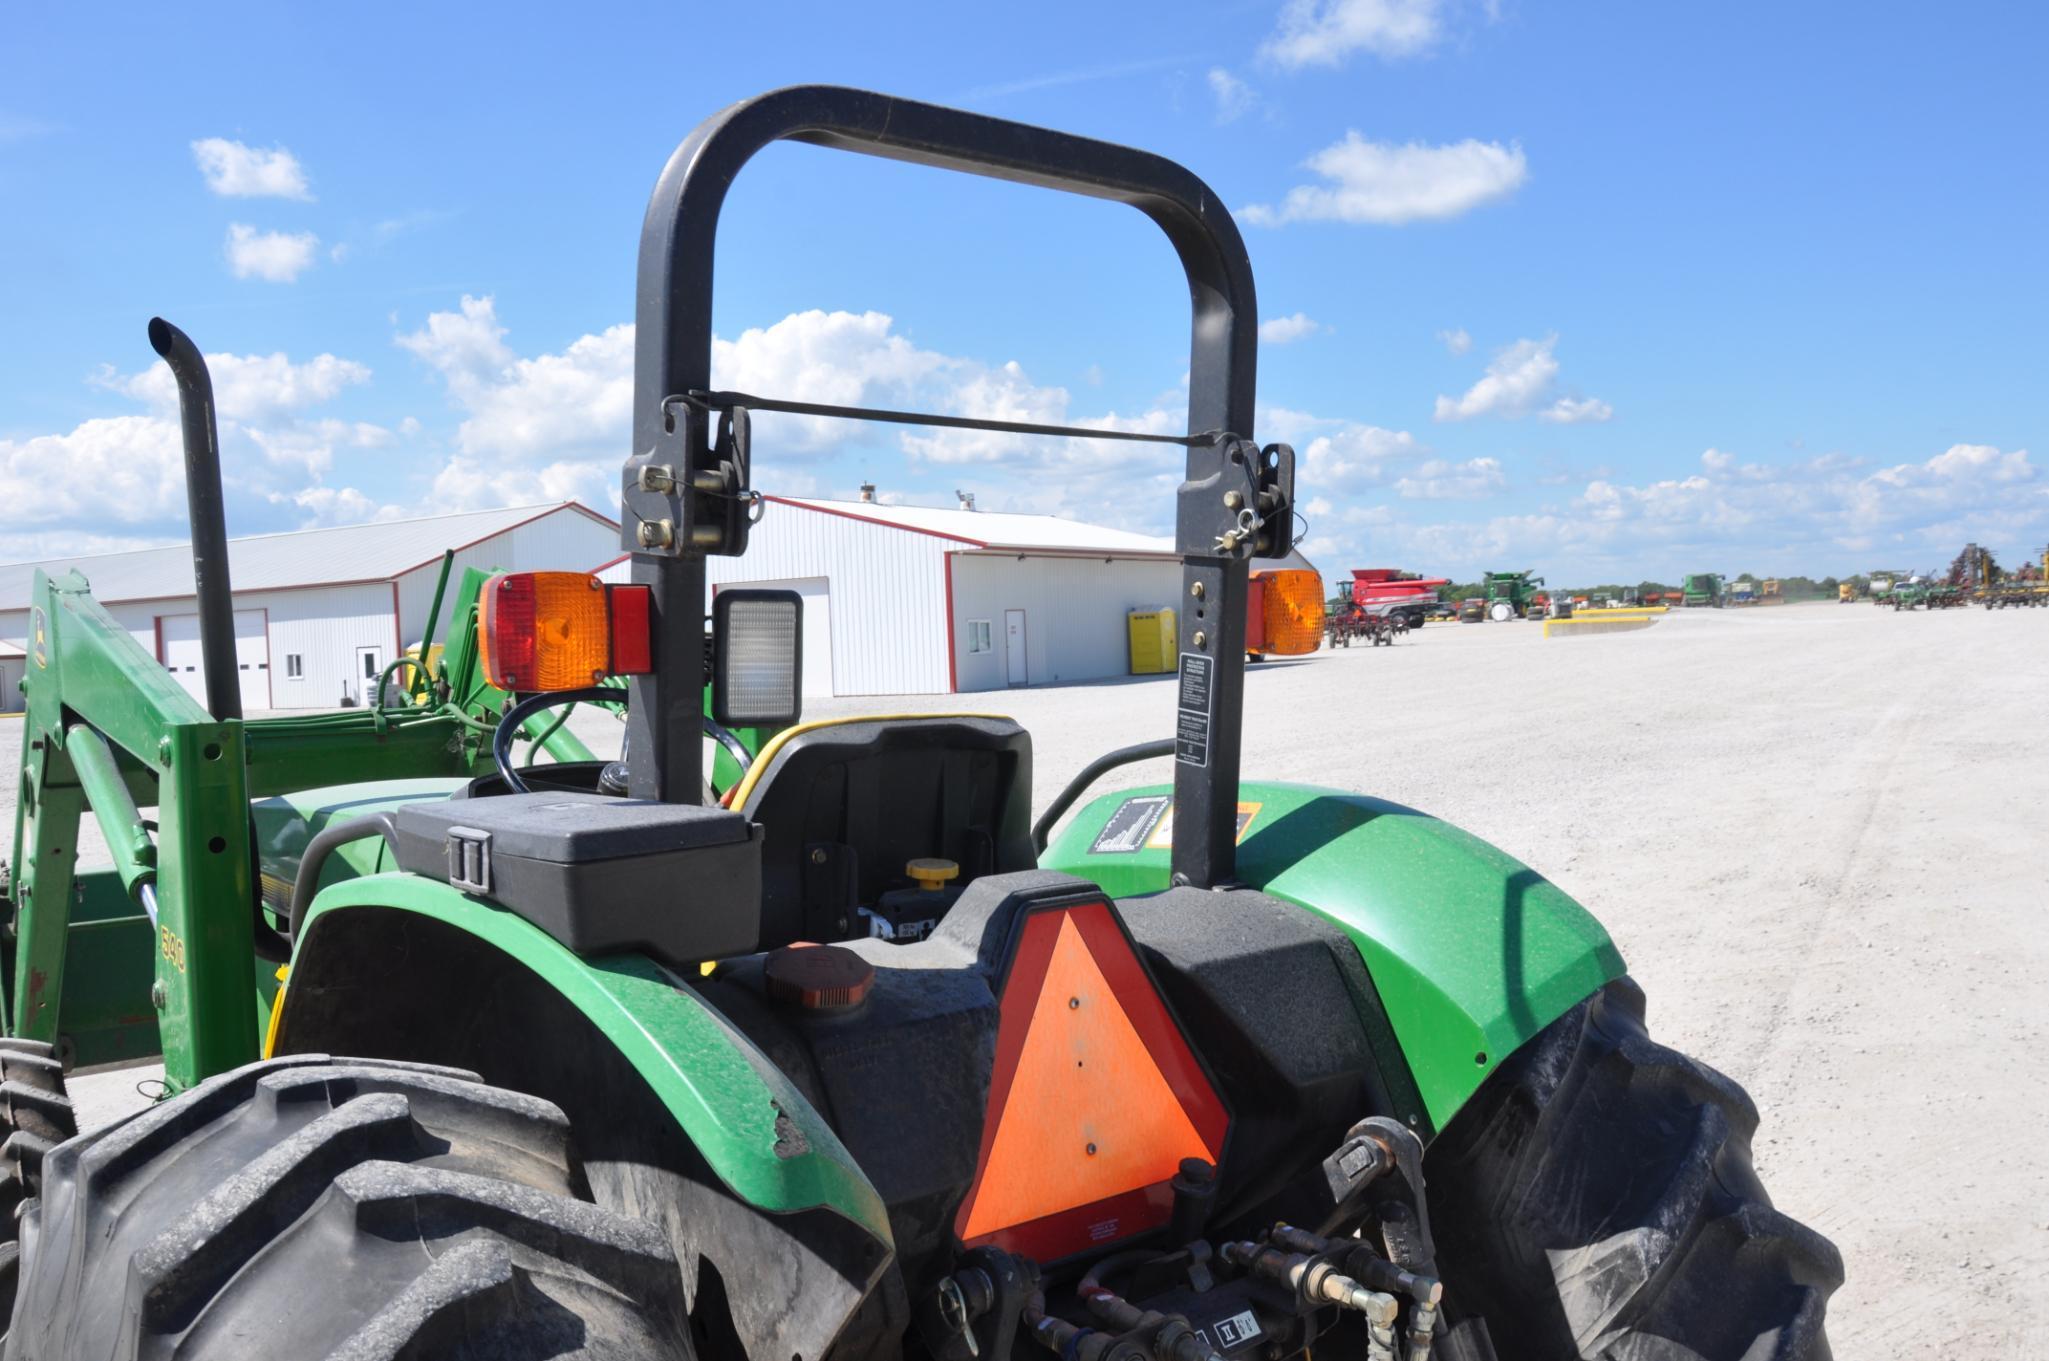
1393	594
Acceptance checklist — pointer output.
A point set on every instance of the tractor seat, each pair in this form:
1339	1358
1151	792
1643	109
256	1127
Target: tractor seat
845	804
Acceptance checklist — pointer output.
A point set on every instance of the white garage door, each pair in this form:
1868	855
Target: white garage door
182	658
817	628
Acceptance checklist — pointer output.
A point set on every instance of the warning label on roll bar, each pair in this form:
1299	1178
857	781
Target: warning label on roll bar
1192	722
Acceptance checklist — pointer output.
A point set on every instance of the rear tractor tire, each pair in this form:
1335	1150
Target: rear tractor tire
317	1207
1596	1198
35	1116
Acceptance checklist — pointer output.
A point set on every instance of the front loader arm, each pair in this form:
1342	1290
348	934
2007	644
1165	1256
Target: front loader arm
84	668
199	772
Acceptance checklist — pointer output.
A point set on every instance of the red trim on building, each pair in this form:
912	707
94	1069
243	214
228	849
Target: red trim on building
507	529
159	619
1101	554
952	647
239	590
398	637
872	520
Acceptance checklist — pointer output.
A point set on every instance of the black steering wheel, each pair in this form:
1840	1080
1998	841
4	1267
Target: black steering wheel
516	716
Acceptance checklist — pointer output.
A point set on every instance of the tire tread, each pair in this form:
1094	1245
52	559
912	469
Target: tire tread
394	1210
1599	1191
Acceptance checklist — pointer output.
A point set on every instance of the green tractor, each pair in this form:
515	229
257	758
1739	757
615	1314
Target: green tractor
835	1054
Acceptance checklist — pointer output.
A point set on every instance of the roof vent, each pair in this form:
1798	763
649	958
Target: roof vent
868	492
967	499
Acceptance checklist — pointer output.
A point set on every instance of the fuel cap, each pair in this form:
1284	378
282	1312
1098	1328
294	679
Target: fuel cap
818	977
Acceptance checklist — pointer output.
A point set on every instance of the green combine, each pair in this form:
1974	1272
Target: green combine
1511	594
477	1044
1700	589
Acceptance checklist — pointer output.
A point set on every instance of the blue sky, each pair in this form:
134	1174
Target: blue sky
1612	291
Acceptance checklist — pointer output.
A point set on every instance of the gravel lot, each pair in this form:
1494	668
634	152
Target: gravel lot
1817	834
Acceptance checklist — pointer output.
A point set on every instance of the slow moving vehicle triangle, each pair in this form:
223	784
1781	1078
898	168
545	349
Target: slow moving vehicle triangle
1083	1113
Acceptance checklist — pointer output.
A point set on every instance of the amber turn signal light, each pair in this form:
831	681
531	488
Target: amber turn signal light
1285	618
561	631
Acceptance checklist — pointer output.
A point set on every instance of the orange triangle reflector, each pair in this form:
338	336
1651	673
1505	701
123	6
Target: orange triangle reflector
1095	1100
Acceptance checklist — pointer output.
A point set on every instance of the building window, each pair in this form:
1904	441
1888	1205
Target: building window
978	635
295	666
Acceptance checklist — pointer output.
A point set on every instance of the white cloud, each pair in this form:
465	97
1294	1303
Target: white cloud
1326	32
841	358
1519	381
275	257
1969	491
324	506
1388	184
1234	97
1517	377
467	346
473	484
1354	456
233	170
550	420
1456	340
128	470
248	388
309	445
1282	330
1961	463
1577	411
1003	393
1438	480
1827	514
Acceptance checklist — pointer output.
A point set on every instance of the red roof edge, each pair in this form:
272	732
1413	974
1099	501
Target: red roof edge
871	520
507	529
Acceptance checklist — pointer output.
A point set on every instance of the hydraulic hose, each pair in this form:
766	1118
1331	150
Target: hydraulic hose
314	859
515	718
1042	830
518	714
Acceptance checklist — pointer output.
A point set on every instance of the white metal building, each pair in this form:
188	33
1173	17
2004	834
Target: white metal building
318	613
908	600
12	659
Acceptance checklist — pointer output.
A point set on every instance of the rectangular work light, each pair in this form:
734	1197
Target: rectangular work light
758	658
561	630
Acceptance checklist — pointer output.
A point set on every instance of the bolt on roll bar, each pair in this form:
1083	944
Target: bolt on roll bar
685	483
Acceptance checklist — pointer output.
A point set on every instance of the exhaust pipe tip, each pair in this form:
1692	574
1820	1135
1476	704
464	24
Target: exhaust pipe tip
164	337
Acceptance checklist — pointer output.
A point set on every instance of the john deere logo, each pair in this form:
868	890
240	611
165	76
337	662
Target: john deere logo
39	638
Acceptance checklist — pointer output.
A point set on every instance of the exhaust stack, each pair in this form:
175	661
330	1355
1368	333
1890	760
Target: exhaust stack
208	515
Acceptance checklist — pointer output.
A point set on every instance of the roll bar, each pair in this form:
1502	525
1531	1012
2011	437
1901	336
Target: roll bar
684	483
